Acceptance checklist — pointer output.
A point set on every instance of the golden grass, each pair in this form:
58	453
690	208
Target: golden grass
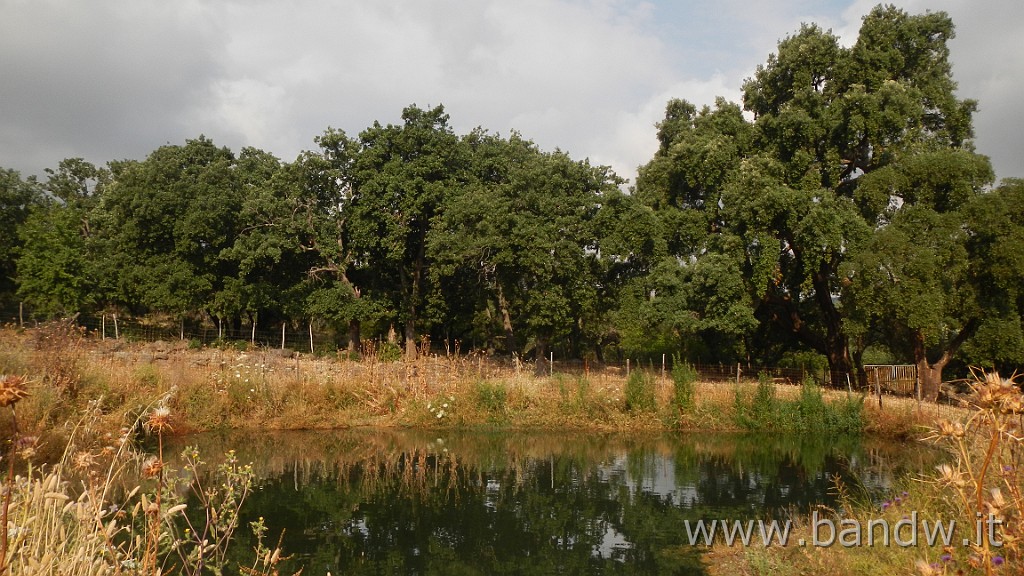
215	388
983	478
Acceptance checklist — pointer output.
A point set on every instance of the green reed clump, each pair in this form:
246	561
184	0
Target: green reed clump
808	414
639	392
491	397
684	376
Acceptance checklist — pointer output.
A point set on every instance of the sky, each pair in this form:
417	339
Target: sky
115	79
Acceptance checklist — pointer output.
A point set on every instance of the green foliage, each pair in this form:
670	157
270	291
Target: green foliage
389	352
809	414
17	198
491	397
764	409
639	393
684	376
840	207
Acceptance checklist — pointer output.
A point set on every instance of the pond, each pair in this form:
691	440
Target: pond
442	502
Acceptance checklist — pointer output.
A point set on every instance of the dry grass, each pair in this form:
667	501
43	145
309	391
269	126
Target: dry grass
218	388
985	441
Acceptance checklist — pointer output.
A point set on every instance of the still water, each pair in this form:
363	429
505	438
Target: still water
441	502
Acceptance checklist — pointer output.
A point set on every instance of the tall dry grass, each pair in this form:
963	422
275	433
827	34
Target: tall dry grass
978	491
225	387
109	509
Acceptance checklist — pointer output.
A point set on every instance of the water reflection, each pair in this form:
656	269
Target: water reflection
414	502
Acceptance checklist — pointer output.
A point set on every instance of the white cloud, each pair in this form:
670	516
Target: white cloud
108	79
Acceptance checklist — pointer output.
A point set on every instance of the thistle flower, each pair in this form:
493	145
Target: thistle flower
152	467
926	569
954	429
159	420
84	460
12	389
950	476
26	446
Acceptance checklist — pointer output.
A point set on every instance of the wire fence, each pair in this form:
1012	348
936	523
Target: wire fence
316	339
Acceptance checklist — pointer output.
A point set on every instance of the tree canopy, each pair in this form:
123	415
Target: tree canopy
839	208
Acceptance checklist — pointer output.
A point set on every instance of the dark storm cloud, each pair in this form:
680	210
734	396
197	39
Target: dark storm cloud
113	79
106	80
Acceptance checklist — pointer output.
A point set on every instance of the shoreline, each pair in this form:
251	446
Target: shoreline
267	389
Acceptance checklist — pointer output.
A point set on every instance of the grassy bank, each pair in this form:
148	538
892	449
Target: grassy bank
977	497
231	388
82	400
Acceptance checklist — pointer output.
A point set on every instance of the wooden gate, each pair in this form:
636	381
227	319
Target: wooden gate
900	379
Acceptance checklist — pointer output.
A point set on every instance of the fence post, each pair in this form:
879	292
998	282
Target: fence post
551	364
878	387
627	368
21	314
117	333
282	335
103	326
311	338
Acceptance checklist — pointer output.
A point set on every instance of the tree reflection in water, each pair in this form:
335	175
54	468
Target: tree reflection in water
415	502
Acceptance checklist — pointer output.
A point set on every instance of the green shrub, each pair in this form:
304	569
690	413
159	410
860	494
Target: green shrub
491	397
809	414
390	352
640	393
683	378
765	411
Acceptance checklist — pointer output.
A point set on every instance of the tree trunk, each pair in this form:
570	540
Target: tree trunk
858	363
506	322
541	367
354	339
837	344
839	363
410	339
929	374
930	379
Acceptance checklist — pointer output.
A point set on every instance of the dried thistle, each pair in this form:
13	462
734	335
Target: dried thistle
949	475
26	446
84	460
12	389
152	467
159	420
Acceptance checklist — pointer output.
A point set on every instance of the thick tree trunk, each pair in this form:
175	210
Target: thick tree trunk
410	339
929	378
541	367
929	374
837	344
833	343
839	364
858	363
354	338
506	322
